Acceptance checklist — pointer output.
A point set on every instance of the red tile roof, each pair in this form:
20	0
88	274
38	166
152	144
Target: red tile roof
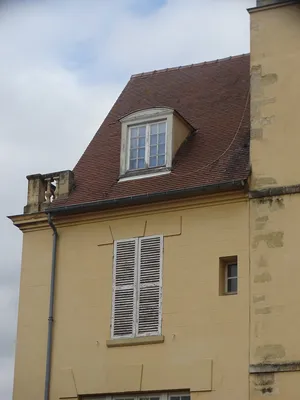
212	96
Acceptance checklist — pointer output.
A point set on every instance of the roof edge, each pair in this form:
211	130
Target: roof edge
158	71
272	5
234	185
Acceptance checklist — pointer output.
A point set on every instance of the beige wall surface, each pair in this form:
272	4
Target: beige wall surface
274	221
33	315
275	294
275	274
206	335
281	386
275	96
179	134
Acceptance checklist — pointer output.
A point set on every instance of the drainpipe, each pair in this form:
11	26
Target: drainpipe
51	306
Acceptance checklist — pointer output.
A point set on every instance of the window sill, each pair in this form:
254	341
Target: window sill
147	173
135	341
229	293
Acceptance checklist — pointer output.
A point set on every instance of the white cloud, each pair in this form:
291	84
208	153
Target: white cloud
63	64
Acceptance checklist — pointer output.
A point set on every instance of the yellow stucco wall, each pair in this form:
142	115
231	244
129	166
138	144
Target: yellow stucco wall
206	335
275	81
275	275
180	132
274	222
33	310
275	295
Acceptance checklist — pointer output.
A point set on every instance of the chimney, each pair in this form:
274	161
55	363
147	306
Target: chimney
275	82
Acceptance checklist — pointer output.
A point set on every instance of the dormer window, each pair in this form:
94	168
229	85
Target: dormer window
150	139
147	145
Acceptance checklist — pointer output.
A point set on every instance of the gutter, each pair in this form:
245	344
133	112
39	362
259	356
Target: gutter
51	307
234	185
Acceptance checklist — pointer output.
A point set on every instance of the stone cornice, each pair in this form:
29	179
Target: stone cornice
38	221
271	6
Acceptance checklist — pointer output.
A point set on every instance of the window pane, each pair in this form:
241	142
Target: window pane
153	129
232	285
231	270
142	152
153	139
133	143
141	163
161	138
142	131
141	142
125	398
161	149
162	127
149	398
134	132
132	164
174	398
152	162
133	154
161	160
153	150
185	397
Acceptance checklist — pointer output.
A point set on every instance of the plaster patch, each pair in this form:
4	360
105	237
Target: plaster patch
277	204
262	262
259	298
265	79
263	278
264	383
260	222
264	121
257	133
272	203
270	351
264	181
265	379
263	310
272	240
258	100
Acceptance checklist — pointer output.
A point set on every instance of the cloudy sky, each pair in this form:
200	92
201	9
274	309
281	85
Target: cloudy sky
63	63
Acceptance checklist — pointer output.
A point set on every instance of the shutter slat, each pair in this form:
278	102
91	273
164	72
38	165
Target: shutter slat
124	293
150	290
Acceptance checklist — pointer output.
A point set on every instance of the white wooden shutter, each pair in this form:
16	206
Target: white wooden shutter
124	288
149	285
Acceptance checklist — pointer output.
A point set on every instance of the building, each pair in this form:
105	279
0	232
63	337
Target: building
169	256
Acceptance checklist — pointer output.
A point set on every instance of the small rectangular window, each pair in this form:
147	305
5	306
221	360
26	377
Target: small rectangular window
231	278
228	276
147	145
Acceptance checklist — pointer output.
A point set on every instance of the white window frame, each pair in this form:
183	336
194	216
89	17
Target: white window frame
137	291
162	396
147	146
146	117
227	278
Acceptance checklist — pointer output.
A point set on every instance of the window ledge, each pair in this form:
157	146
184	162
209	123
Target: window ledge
148	173
135	341
229	293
